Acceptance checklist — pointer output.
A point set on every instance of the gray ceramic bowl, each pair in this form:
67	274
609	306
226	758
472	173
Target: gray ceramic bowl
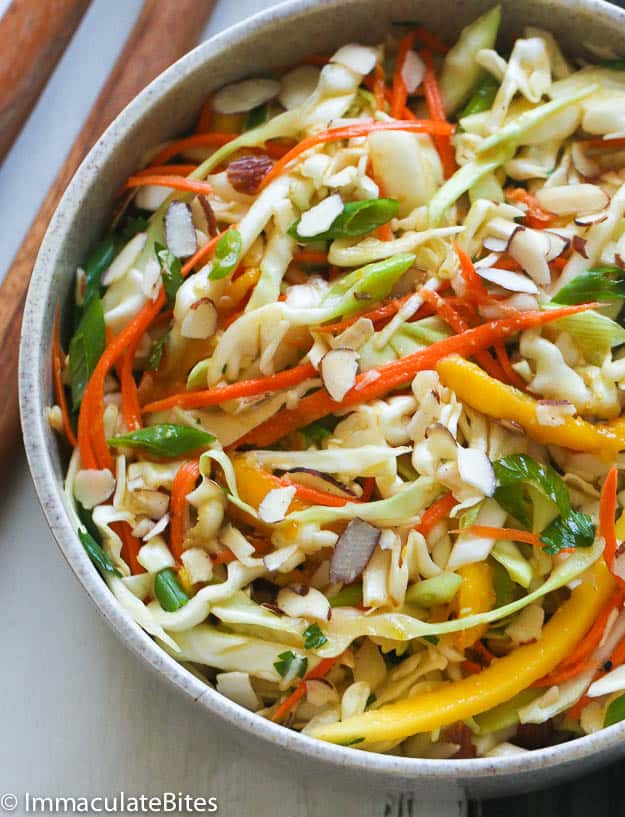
165	109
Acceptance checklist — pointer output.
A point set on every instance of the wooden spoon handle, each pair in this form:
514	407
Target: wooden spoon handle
164	31
34	34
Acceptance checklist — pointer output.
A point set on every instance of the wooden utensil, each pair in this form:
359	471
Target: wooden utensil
164	31
34	34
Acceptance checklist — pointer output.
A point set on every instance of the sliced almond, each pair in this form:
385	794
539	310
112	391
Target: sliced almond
297	85
582	163
361	59
179	230
570	199
320	217
200	322
494	244
556	245
579	245
353	550
413	71
529	248
275	504
93	486
312	604
477	470
508	279
338	369
591	218
243	96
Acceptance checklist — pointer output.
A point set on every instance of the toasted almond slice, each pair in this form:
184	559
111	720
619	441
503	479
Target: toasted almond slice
529	248
298	85
570	199
339	368
413	71
179	230
200	322
507	279
243	96
93	486
361	59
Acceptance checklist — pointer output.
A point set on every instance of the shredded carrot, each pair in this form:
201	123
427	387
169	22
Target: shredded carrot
431	41
380	313
205	119
310	257
94	450
476	289
130	547
437	511
316	497
379	86
604	144
607	514
480	649
471	666
537	217
397	373
184	482
458	324
577	660
558	264
244	388
512	376
436	107
289	703
492	532
352	132
166	170
131	408
368	487
57	378
209	140
399	94
175	182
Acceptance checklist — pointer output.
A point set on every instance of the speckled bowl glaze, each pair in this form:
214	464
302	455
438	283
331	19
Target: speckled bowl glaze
165	109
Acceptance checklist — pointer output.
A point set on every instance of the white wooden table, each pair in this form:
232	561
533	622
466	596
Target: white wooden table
80	715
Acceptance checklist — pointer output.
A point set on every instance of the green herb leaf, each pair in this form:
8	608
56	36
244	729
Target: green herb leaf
371	700
257	116
133	226
349	596
86	348
97	262
357	218
227	254
574	530
168	591
431	639
165	439
504	586
156	353
518	470
351	742
319	430
600	284
615	65
615	711
483	96
97	554
314	637
291	665
171	272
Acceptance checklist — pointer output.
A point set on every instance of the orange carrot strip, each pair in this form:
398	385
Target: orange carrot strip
245	388
131	408
512	376
322	669
399	372
605	144
437	511
537	217
184	482
471	666
352	132
431	41
399	94
436	107
379	86
492	532
476	289
206	117
175	182
607	513
209	140
166	170
368	487
316	497
57	378
310	257
91	437
458	324
130	546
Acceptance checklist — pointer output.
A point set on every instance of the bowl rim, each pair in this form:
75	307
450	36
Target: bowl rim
33	399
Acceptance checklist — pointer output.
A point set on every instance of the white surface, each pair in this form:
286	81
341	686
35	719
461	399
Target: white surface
79	714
